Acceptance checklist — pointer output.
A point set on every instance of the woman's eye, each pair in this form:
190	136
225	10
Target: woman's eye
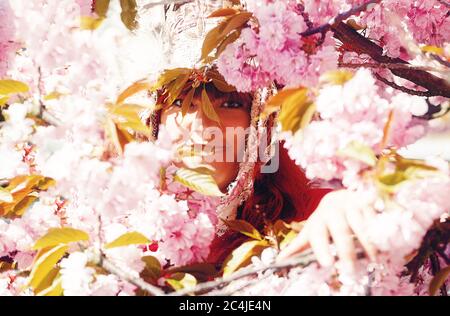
177	103
232	105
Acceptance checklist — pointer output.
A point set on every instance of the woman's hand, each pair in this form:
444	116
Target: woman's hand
339	216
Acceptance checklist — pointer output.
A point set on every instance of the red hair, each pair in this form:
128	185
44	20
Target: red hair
286	194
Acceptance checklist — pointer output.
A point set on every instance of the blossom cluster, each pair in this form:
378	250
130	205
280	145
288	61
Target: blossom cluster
62	129
354	112
275	50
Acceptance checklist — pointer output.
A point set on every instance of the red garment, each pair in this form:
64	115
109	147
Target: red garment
284	195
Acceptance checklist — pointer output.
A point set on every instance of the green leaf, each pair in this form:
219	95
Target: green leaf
5	196
152	268
243	227
359	151
129	13
180	281
131	238
45	263
241	256
208	108
199	182
438	280
60	236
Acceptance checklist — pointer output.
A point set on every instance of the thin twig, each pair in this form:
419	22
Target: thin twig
301	261
386	66
164	2
403	89
339	18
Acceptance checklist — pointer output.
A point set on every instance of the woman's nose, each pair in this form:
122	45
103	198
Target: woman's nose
195	120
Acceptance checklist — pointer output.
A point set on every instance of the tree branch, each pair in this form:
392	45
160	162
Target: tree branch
362	45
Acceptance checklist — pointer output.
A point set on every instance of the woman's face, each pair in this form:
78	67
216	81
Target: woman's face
223	142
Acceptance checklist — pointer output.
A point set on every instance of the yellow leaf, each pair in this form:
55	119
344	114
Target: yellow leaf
187	102
336	77
222	12
290	236
3	100
201	271
58	236
177	87
212	39
52	96
128	116
129	13
54	290
21	207
235	22
152	268
90	23
359	151
434	50
438	280
208	108
180	281
274	103
23	190
232	37
132	90
48	280
241	256
101	7
199	182
296	111
5	196
220	82
131	238
354	24
169	75
8	87
243	227
45	264
223	86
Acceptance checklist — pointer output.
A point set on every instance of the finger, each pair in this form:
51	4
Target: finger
299	244
342	237
319	239
356	221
